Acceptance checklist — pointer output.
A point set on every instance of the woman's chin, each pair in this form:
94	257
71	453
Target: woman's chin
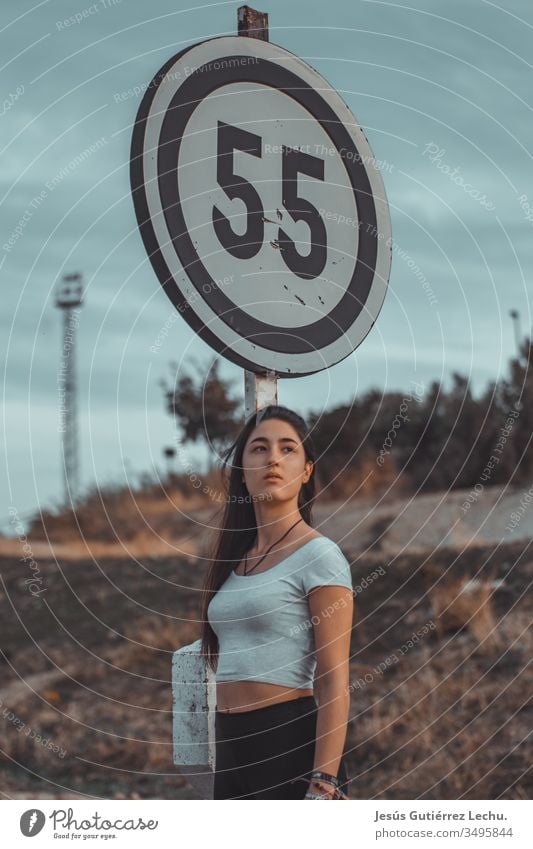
268	491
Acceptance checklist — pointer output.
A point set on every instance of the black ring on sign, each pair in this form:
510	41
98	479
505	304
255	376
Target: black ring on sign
202	82
151	244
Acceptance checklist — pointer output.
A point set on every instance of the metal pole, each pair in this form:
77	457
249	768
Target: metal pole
69	299
70	435
251	23
259	390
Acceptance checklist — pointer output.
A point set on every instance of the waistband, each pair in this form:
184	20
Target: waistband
289	707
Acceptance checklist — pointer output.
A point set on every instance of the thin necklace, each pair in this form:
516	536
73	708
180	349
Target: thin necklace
266	552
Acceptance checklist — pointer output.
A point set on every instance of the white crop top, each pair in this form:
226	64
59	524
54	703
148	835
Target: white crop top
263	622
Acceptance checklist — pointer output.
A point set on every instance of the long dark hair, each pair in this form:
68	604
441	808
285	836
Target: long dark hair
239	529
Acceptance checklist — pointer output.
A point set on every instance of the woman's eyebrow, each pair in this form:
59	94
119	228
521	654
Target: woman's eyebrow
281	439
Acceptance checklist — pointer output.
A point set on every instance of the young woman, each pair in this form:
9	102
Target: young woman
277	614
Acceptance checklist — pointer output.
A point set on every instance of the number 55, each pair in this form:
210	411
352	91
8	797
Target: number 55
247	245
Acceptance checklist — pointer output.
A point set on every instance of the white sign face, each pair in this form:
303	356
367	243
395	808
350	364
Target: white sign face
261	206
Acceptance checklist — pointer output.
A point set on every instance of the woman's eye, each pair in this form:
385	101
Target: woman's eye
258	447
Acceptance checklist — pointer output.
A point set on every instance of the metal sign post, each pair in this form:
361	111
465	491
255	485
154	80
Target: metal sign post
259	390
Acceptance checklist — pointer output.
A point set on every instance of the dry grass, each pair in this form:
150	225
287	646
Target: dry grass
447	722
467	603
450	720
150	634
439	725
159	512
128	730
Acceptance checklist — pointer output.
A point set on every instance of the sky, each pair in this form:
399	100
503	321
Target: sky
443	92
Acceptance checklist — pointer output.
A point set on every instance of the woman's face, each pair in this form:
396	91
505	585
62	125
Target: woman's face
275	447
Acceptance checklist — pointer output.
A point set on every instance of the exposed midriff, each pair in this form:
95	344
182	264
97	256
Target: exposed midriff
239	696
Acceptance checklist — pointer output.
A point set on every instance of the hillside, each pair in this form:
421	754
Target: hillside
86	661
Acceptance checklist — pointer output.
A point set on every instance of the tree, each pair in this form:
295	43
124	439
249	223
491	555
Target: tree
203	409
516	396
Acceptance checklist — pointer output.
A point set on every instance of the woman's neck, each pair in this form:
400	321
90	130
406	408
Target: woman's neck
270	531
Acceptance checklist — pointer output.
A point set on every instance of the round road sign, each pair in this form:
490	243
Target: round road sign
261	206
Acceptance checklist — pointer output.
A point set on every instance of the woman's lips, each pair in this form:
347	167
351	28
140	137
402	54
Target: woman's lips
272	477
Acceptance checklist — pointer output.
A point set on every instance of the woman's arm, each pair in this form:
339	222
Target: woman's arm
331	608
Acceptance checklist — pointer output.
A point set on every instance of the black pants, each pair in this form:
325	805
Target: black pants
267	753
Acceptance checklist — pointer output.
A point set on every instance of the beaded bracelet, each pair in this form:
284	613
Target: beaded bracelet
325	776
338	794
